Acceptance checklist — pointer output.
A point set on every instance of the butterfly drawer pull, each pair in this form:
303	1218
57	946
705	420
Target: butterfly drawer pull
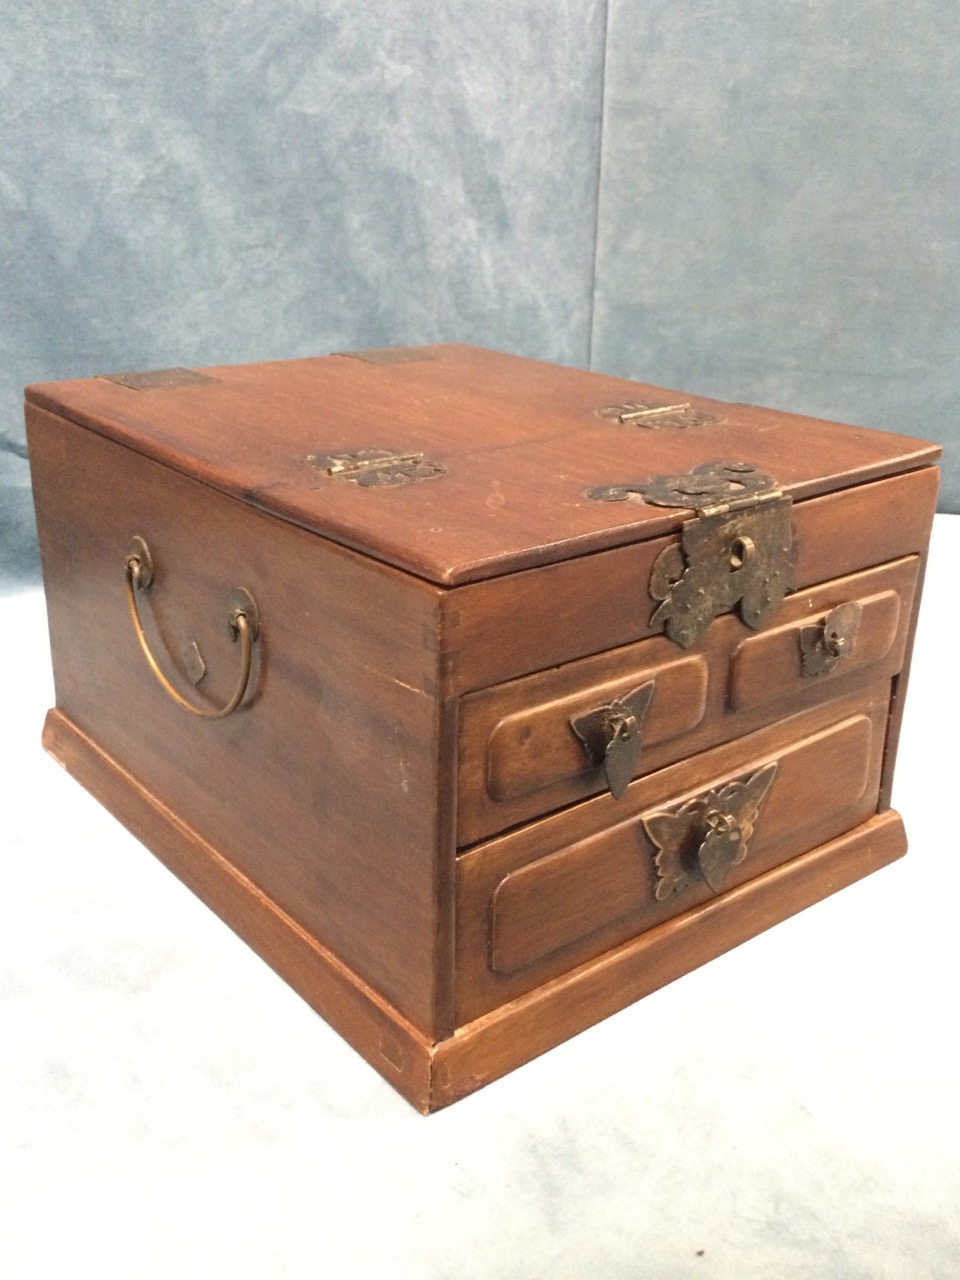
825	643
610	735
704	838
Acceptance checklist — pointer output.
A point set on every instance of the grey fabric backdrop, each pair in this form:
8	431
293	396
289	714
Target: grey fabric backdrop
756	200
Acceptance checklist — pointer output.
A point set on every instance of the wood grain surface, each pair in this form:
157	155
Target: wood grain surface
551	894
499	1041
375	1028
323	787
521	441
497	630
748	678
422	649
434	1075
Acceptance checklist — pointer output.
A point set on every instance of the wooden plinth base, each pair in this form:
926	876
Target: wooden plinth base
431	1076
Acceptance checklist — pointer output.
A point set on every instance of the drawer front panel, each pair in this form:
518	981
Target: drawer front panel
520	758
770	665
537	902
535	748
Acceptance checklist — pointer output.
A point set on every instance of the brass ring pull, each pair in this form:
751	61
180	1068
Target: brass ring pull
243	620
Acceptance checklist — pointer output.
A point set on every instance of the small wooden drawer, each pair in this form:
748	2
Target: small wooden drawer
536	902
521	759
781	663
535	748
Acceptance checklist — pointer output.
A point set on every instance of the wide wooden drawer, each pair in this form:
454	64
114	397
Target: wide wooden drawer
538	901
519	757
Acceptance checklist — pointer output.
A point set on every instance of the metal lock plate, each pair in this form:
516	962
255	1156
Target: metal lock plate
708	835
736	552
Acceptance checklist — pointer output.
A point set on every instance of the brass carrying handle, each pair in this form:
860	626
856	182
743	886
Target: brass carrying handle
244	622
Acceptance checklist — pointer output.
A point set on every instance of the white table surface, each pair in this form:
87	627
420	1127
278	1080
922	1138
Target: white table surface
170	1109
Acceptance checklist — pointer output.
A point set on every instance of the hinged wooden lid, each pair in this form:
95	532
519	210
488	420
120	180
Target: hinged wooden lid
453	462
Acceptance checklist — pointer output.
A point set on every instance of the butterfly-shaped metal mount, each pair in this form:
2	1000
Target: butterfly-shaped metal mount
824	644
736	552
708	835
611	735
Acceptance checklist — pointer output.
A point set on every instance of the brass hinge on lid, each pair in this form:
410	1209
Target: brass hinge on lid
158	379
737	551
640	413
389	355
374	467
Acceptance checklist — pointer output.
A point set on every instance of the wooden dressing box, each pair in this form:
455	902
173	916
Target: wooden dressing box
480	696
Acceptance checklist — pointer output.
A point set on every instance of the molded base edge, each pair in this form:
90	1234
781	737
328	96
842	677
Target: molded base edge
431	1076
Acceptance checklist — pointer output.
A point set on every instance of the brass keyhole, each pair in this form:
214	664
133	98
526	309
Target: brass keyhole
834	642
742	550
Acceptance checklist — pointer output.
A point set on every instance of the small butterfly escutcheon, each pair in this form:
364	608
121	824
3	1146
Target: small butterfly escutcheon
610	735
704	838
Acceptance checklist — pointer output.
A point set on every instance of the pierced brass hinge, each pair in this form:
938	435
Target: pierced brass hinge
640	413
377	467
158	379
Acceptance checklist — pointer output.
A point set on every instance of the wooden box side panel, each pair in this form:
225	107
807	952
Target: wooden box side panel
389	1043
323	787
